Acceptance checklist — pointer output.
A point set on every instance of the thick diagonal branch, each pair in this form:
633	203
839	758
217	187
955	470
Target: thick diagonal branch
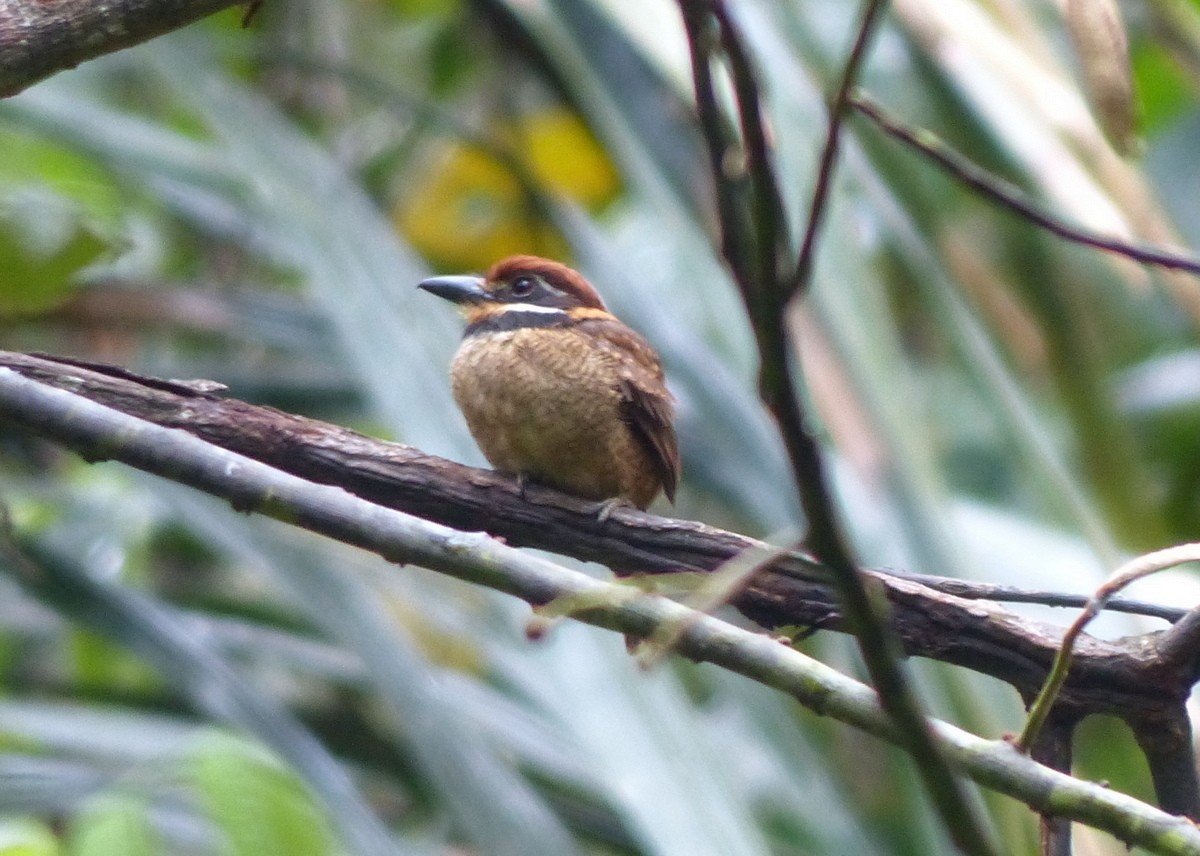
38	39
1133	679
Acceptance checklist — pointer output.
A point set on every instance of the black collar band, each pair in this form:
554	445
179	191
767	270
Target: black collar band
516	319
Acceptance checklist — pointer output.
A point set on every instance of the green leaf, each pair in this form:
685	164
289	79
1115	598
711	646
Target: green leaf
1162	86
102	665
257	803
33	161
113	826
44	241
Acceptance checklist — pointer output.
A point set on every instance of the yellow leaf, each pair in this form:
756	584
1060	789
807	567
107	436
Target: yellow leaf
468	210
566	157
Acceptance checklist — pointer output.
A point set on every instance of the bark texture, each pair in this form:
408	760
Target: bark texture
41	37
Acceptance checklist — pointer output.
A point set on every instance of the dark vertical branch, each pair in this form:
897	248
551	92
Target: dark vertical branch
1167	744
724	149
754	246
769	217
1053	748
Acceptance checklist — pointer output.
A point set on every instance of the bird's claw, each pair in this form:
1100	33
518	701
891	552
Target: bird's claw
606	508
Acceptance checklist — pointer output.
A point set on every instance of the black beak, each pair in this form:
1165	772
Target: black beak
456	289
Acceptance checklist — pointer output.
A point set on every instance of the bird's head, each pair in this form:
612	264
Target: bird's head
520	283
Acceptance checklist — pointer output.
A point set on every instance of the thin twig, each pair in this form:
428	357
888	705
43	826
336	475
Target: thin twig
802	274
1008	195
716	590
1130	572
1015	594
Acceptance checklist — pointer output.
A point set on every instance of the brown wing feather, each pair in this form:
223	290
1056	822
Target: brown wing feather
649	414
646	404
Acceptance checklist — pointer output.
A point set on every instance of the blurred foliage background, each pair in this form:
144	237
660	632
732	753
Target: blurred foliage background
255	206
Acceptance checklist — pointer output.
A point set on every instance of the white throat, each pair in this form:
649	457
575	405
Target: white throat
529	307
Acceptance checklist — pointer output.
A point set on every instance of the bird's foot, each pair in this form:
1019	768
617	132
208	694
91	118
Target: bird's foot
605	509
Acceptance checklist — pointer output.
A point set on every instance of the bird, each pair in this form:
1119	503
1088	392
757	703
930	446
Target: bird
556	389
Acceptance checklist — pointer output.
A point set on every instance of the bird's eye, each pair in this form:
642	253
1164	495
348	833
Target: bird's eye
522	286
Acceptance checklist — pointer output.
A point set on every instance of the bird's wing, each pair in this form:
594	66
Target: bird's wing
646	404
